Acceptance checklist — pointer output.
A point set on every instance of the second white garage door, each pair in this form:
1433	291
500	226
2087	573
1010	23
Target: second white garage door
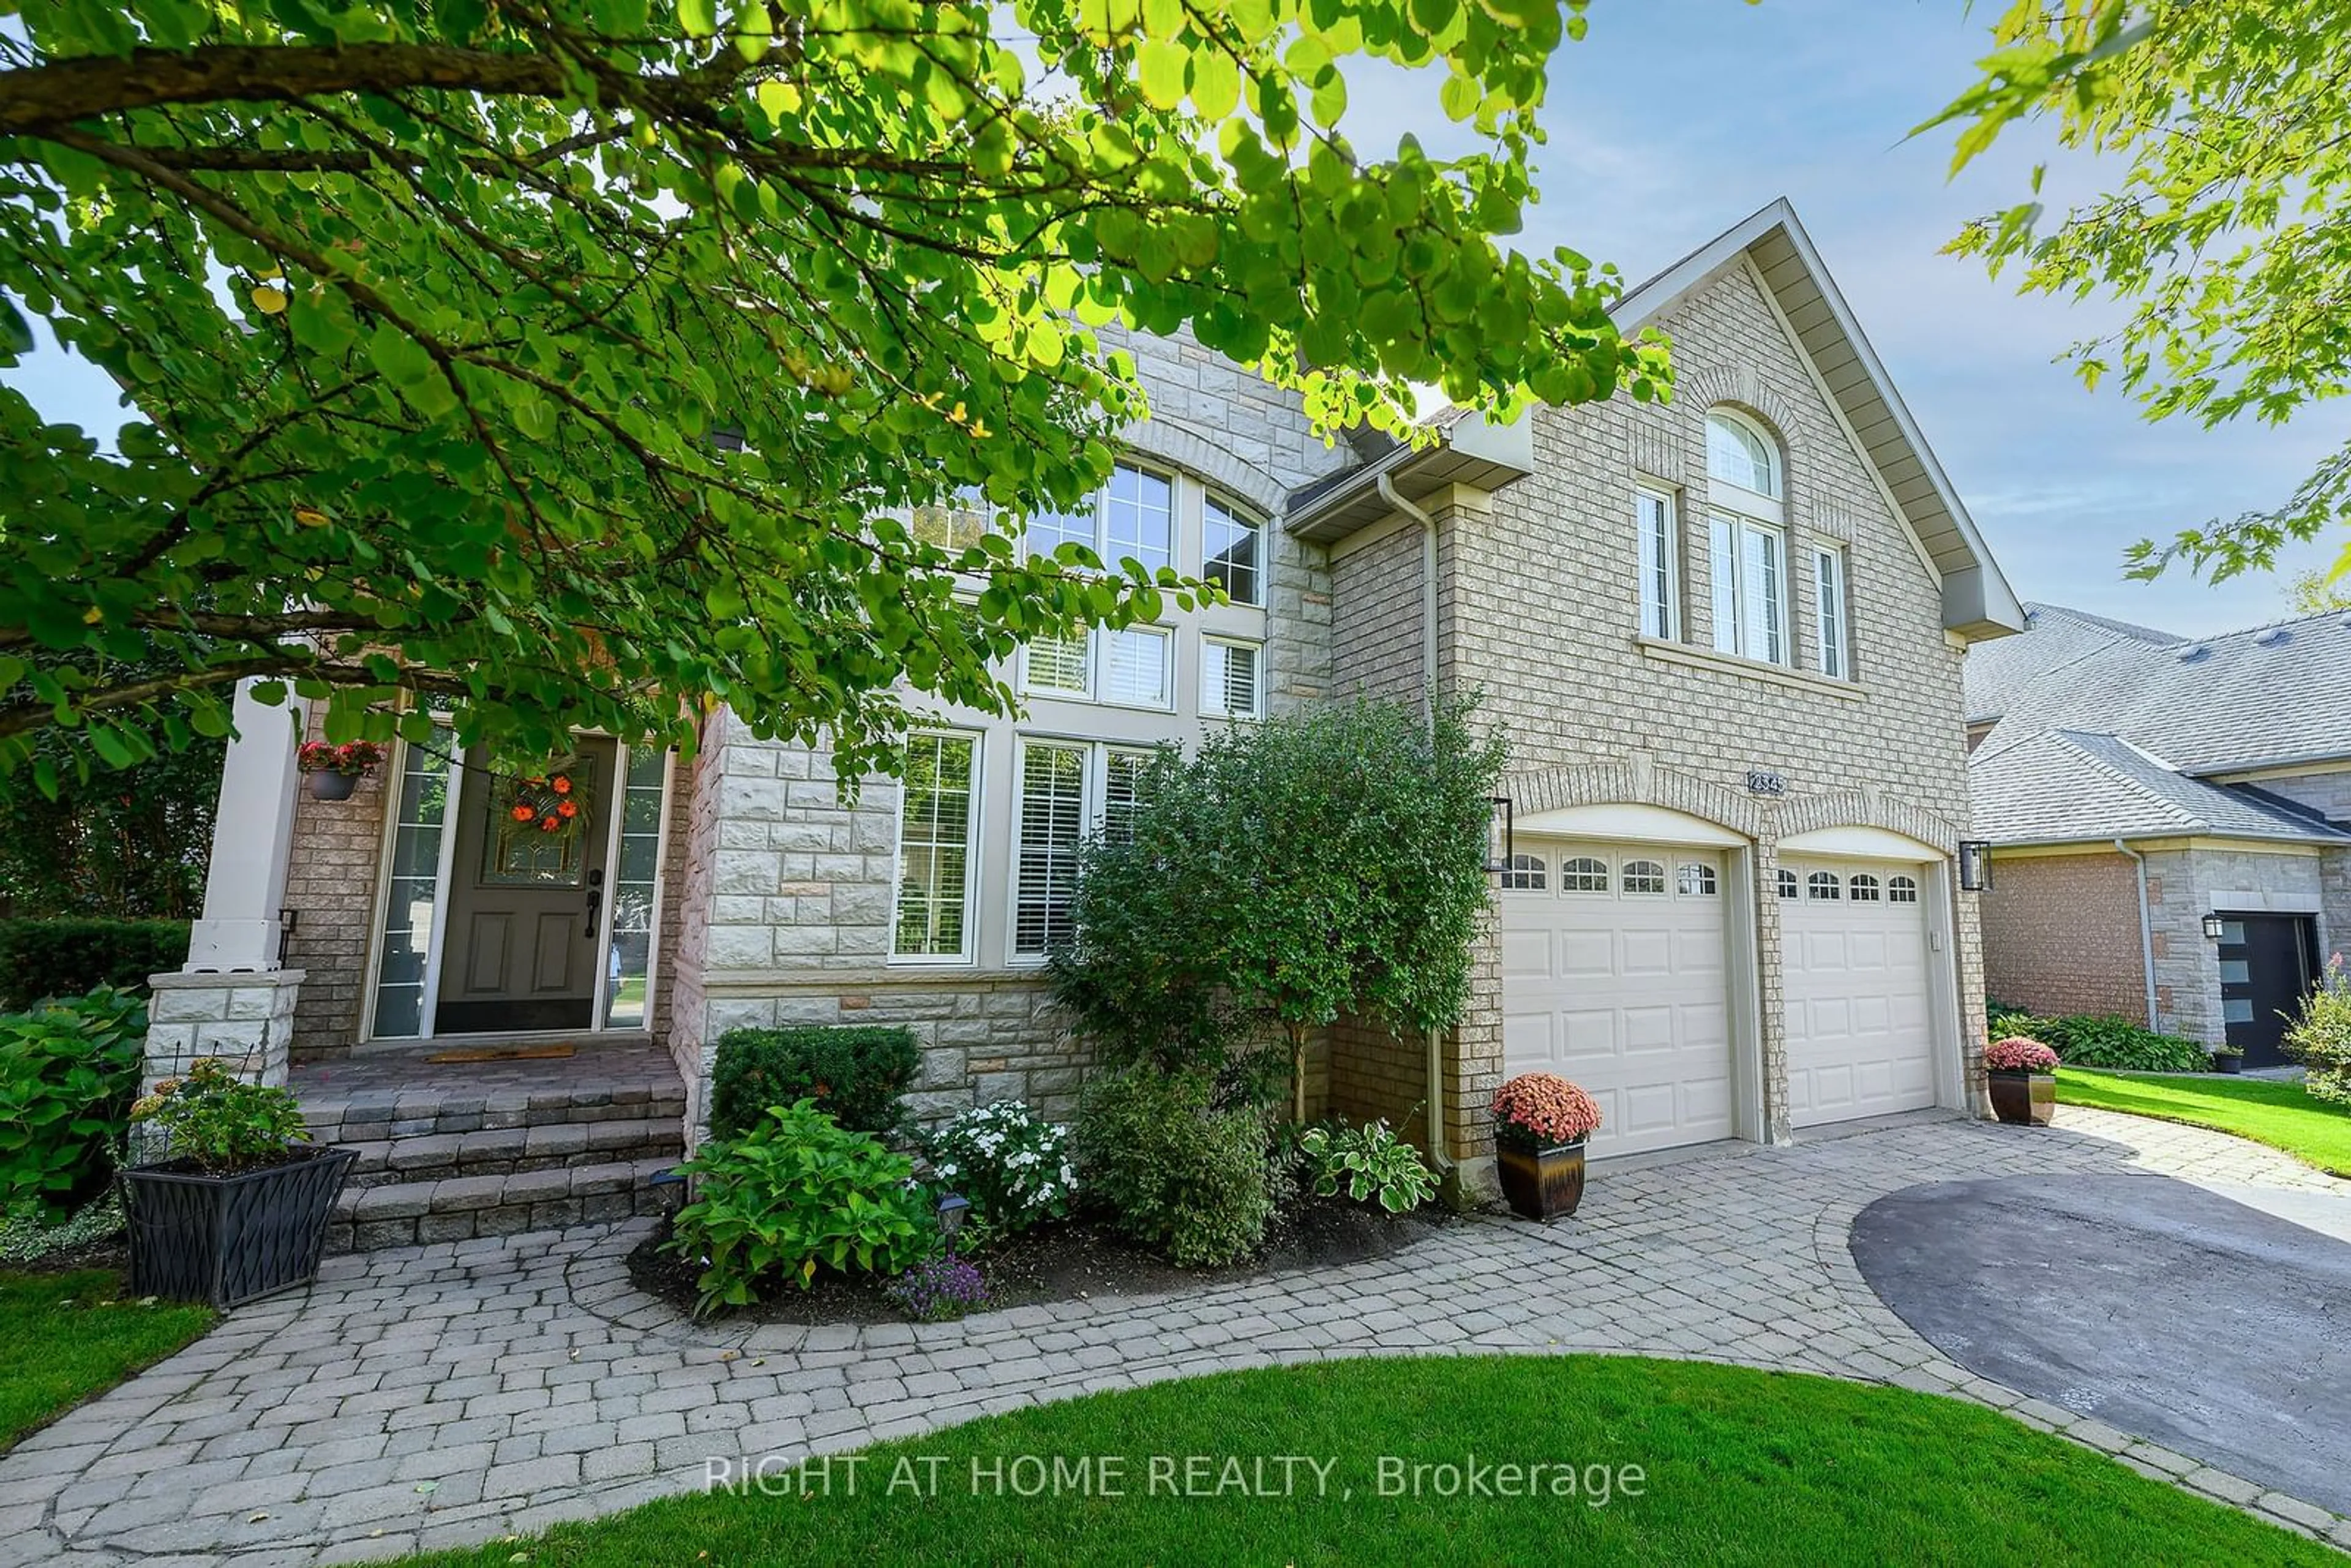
1614	974
1861	1040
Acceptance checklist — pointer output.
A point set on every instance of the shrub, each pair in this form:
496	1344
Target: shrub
2110	1042
1171	1169
45	959
1013	1164
219	1122
1543	1110
797	1193
1369	1163
939	1290
1207	923
68	1072
2018	1054
855	1074
2320	1039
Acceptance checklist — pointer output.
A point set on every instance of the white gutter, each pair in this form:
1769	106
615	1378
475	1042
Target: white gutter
1388	493
2146	932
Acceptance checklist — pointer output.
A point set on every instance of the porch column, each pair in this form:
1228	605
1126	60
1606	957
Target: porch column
232	1000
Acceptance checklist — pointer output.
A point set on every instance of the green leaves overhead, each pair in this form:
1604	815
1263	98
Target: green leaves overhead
2228	236
569	349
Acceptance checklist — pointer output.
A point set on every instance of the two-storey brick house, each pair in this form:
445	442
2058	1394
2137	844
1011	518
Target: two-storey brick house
1724	636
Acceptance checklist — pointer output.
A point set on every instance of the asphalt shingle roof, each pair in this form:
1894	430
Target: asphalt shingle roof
2059	785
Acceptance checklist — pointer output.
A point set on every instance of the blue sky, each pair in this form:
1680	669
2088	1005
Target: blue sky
1677	118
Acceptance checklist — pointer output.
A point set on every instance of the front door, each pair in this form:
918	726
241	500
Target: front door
526	891
2268	963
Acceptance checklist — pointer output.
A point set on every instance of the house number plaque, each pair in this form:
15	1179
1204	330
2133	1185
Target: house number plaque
1762	782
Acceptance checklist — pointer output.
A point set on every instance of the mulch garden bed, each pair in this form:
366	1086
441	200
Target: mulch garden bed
1071	1261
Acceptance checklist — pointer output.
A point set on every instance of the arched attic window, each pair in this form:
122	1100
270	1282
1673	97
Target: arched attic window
1737	452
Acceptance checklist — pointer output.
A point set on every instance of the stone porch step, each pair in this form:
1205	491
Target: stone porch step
458	1208
511	1151
381	1116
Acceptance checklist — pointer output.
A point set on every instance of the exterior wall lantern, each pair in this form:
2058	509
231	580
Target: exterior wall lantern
1975	866
2215	927
1499	842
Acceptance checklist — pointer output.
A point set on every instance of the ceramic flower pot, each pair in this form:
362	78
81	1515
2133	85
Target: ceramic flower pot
2024	1099
1542	1184
329	786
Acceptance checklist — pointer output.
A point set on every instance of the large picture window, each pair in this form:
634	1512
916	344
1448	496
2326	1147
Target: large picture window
937	817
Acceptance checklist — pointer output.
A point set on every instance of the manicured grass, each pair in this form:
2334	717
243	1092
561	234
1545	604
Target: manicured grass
65	1337
1739	1466
2279	1114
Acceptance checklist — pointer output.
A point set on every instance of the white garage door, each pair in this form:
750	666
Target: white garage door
1860	1038
1612	975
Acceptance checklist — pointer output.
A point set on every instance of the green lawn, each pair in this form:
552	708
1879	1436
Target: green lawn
65	1337
2279	1114
1737	1467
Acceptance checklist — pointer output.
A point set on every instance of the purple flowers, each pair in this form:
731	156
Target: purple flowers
939	1291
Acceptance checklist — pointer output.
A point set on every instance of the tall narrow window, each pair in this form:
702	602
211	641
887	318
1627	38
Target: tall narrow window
1229	678
1137	670
1660	567
1138	520
936	819
1834	614
636	889
1230	553
1750	555
1125	786
1761	632
1052	822
413	890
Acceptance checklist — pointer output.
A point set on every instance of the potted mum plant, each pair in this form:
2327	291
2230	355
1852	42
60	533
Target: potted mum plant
2023	1080
1540	1123
334	771
237	1208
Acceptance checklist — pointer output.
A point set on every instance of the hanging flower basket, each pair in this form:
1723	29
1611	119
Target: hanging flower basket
552	803
334	771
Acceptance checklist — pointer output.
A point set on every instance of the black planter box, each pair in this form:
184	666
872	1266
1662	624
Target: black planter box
232	1239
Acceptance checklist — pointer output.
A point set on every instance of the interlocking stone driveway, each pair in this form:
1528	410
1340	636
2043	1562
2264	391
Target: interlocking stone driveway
444	1395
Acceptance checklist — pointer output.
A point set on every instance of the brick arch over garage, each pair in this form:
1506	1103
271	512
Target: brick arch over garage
1867	809
1170	443
1635	781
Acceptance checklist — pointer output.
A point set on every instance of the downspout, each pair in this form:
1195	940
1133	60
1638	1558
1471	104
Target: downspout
2146	932
1437	1152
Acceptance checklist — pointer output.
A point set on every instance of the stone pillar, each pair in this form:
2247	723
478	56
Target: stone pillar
232	1000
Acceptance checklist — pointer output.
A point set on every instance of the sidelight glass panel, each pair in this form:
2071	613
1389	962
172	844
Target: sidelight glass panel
412	893
636	886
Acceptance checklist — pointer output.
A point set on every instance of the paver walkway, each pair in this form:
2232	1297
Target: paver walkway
446	1394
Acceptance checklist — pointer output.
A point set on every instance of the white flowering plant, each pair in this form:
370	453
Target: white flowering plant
1010	1163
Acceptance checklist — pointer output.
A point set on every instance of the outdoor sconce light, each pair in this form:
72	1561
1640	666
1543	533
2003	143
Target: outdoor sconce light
1975	866
954	1209
1498	842
2214	929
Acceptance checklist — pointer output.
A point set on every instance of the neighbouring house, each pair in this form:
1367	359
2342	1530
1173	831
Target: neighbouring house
2170	817
1724	636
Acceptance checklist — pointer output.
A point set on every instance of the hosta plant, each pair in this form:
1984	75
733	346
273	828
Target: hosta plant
1012	1163
796	1194
1370	1164
2019	1053
68	1072
1544	1111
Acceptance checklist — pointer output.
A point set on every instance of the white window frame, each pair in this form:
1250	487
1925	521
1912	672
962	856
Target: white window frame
1738	518
1656	519
1239	517
1105	645
974	814
1833	610
1093	777
1031	687
1100	503
1212	692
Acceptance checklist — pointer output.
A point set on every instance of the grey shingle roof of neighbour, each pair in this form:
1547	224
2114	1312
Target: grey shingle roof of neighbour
2270	695
2060	786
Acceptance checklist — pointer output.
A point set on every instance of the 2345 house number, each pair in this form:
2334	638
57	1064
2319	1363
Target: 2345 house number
1762	782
